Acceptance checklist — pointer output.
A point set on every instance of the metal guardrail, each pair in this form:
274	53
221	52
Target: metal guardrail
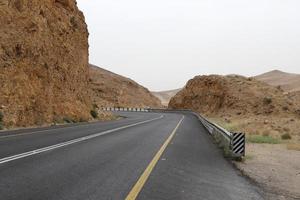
232	143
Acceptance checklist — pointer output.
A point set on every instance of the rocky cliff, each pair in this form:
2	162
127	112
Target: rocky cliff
236	95
244	103
43	62
110	89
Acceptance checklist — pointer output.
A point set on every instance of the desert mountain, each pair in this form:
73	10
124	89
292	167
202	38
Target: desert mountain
110	89
165	96
244	102
236	95
43	62
287	81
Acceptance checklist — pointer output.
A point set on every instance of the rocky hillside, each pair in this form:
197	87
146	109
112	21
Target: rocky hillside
287	81
245	103
295	97
110	89
43	62
165	96
231	94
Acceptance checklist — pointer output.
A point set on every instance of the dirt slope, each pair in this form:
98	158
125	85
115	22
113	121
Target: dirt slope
244	103
295	97
165	96
43	62
287	81
110	89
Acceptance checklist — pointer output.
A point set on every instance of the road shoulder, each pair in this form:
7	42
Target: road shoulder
274	168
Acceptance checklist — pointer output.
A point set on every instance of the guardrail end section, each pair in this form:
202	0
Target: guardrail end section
238	147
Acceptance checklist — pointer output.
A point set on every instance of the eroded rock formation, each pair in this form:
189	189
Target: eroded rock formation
43	62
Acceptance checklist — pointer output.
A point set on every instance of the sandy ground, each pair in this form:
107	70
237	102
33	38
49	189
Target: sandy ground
275	168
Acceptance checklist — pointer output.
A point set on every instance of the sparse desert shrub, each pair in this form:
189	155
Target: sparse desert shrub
247	157
266	133
57	120
1	120
82	120
1	116
285	108
230	126
75	120
73	22
262	139
267	100
279	87
95	106
67	120
94	114
286	136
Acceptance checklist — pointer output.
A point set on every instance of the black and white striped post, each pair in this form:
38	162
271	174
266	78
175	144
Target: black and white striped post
238	144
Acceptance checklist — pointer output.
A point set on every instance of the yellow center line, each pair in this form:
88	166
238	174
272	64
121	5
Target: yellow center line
144	177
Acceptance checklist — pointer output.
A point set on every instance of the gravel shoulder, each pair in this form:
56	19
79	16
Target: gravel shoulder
275	168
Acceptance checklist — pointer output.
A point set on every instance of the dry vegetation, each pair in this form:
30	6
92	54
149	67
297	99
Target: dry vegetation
242	104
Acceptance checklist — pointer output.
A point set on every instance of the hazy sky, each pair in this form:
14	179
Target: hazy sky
161	44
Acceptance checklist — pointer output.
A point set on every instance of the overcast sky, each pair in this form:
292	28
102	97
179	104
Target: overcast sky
162	44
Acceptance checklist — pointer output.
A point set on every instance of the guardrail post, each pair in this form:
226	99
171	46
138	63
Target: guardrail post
238	146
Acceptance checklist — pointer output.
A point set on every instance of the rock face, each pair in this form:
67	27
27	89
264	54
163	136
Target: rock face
241	104
110	89
236	95
43	61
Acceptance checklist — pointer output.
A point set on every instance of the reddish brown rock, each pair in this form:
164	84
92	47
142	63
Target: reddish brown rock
231	95
110	89
43	62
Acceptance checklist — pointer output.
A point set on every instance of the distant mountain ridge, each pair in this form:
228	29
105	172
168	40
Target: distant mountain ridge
165	96
113	90
289	82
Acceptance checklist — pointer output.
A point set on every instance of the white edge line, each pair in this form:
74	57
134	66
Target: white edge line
63	144
46	130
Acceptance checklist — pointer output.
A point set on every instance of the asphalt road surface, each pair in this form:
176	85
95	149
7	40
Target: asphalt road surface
145	156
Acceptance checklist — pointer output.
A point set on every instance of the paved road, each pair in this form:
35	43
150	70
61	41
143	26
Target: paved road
145	156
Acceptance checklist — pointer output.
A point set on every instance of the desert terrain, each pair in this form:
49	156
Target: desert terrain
112	90
270	117
45	76
165	96
46	79
289	82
